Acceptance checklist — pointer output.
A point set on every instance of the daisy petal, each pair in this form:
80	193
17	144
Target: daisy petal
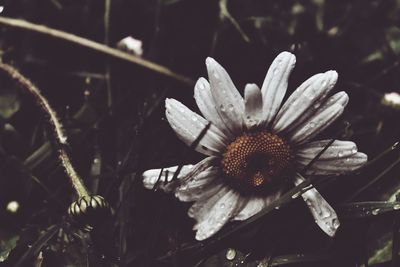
335	165
275	84
338	149
206	202
188	125
227	99
316	124
153	176
324	215
192	189
163	180
253	115
207	106
307	97
253	206
223	210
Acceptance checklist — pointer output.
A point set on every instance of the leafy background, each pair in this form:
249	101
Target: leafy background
114	115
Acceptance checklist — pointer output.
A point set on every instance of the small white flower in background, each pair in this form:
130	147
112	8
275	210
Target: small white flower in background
13	206
131	45
254	145
391	100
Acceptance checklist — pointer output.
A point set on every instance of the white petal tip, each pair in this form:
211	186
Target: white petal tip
200	235
251	86
332	74
330	227
210	61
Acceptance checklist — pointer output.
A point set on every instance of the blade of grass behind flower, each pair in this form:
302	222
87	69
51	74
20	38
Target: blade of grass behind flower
27	257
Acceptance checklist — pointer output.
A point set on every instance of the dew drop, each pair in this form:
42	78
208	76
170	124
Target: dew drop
335	223
395	145
325	214
375	211
311	125
340	154
230	106
396	207
296	195
194	118
354	150
222	108
222	206
324	83
230	254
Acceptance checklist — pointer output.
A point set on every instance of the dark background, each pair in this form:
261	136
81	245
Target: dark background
113	140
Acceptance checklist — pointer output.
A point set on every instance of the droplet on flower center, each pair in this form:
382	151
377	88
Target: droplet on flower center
256	159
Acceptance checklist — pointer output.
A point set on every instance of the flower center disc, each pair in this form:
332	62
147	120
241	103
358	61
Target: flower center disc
256	159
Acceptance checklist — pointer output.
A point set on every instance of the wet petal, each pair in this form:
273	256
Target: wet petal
188	125
316	124
153	176
253	206
275	84
336	165
229	103
207	200
218	215
338	149
304	99
253	115
324	215
207	106
193	188
163	180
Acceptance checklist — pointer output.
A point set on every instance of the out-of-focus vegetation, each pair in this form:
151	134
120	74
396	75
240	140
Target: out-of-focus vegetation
113	112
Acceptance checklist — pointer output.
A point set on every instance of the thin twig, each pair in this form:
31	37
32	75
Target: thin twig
97	47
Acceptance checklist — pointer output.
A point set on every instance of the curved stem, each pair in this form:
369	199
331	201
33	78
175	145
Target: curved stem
61	138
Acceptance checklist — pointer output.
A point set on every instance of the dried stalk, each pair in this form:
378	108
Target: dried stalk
104	49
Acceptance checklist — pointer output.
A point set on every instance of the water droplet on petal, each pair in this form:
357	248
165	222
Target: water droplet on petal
354	150
396	207
230	254
194	118
230	106
340	154
216	75
335	223
222	108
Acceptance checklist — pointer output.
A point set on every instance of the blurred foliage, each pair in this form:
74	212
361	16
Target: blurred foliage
114	116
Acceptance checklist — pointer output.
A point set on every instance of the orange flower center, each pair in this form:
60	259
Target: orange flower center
255	159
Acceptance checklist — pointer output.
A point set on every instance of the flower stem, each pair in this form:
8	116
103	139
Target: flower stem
61	138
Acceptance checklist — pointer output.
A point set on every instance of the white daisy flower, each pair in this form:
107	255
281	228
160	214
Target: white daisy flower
254	145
